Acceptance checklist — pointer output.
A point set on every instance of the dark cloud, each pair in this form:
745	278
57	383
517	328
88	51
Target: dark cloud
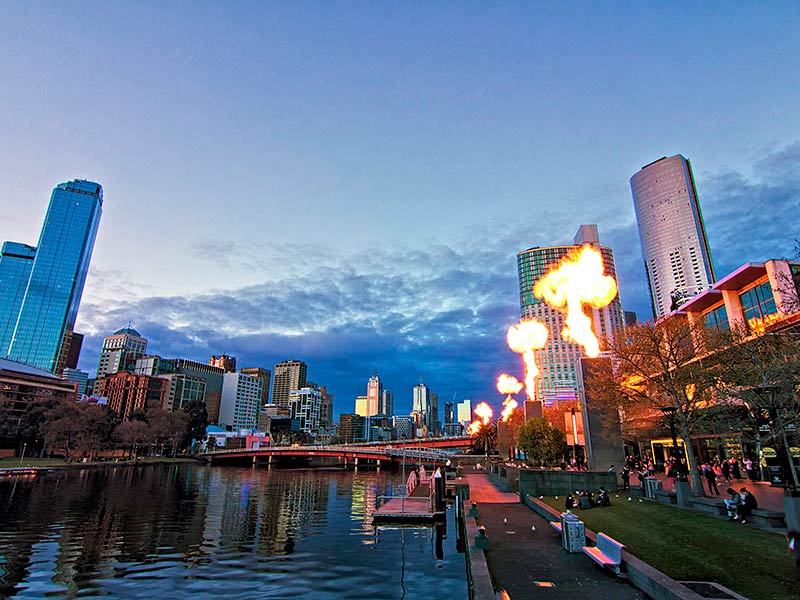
440	311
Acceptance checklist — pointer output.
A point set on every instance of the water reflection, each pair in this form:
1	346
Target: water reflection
189	530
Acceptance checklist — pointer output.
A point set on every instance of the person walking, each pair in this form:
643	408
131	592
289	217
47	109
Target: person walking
711	478
748	466
626	478
726	470
735	469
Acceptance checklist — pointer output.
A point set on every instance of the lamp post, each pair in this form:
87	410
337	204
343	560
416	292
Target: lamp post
766	394
22	456
669	413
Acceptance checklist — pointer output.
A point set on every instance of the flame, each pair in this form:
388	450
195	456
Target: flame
484	413
578	280
508	384
509	406
523	338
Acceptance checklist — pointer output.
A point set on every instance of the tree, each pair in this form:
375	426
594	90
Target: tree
657	366
167	428
131	435
197	421
77	426
542	442
485	441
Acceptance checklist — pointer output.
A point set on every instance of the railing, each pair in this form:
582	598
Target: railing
409	453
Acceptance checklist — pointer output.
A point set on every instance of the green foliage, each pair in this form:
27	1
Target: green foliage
543	443
197	421
485	441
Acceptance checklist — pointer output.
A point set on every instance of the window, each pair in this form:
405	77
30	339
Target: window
757	304
717	318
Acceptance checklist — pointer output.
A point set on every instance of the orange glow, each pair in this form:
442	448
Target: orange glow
508	384
523	338
509	406
577	281
484	413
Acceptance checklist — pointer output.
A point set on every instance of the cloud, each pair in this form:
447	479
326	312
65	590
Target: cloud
441	310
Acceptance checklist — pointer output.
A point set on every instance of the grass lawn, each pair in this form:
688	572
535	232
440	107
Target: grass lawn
691	546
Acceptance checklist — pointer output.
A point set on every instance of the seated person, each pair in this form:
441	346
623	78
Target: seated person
602	497
570	502
749	504
732	504
584	500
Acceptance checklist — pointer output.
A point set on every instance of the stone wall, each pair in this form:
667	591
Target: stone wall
540	482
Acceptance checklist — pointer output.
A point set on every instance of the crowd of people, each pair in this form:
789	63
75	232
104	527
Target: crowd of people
584	499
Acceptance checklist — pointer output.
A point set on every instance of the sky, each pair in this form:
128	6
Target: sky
348	183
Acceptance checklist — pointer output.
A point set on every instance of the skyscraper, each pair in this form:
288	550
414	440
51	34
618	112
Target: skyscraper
374	394
16	261
288	375
387	404
49	307
675	249
559	360
127	343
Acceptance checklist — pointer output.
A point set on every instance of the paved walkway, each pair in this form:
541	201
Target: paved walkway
528	563
769	498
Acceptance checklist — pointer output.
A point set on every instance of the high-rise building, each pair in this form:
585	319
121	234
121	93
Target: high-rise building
326	409
49	307
351	428
241	397
559	360
288	375
675	249
464	412
448	413
387	404
183	389
124	344
223	361
305	405
265	377
361	406
374	394
16	261
79	377
128	392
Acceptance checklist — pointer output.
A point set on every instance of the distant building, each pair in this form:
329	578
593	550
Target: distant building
264	375
122	345
362	406
464	412
183	389
21	385
433	415
79	377
630	318
46	315
448	413
559	361
16	262
421	406
241	397
387	404
305	405
454	430
351	428
128	392
404	427
224	362
326	409
288	375
675	249
374	395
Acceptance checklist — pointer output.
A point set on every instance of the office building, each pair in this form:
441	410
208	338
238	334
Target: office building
241	397
559	360
16	261
326	409
386	406
212	376
305	405
288	375
448	413
374	394
224	362
123	345
49	307
675	248
79	377
128	392
404	426
464	412
362	406
182	389
351	428
266	379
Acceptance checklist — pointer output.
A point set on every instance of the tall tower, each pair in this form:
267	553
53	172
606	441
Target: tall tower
127	343
559	360
53	294
16	261
675	249
387	404
288	375
374	394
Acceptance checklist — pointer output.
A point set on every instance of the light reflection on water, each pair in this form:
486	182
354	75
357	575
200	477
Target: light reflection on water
193	531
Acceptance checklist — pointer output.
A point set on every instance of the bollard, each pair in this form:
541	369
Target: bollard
481	541
473	510
573	534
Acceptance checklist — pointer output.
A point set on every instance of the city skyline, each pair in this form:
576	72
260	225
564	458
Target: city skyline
424	147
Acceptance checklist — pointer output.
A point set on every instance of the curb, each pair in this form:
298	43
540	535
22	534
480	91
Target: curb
481	588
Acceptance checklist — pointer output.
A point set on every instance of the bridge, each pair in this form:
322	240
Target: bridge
427	450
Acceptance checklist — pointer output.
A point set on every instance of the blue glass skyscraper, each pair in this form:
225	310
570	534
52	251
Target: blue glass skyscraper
16	261
50	305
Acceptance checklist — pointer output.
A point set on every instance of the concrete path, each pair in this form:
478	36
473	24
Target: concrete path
769	498
532	564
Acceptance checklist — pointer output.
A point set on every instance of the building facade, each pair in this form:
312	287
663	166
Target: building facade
118	348
386	406
182	389
224	362
362	406
49	307
374	395
241	398
128	392
16	261
351	428
305	405
464	412
559	360
288	375
266	379
79	377
675	250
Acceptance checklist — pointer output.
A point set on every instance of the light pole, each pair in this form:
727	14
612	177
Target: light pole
669	413
781	447
22	456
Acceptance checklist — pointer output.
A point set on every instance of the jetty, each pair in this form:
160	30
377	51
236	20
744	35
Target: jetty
423	502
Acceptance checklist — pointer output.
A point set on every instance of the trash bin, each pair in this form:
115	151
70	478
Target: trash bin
651	484
573	534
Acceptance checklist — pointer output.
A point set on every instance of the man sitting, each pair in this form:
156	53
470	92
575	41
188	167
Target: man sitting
749	504
602	497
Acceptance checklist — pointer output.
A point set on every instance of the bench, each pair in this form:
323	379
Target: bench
607	552
709	506
556	525
768	518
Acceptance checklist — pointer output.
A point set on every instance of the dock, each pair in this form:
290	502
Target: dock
419	505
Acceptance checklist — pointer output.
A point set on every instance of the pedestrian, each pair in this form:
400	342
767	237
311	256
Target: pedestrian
793	543
671	474
711	478
735	469
641	475
651	468
749	504
626	478
732	504
726	470
748	466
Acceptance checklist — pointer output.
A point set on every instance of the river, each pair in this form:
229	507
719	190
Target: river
191	531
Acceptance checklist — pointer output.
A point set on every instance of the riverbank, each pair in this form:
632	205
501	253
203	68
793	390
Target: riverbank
8	465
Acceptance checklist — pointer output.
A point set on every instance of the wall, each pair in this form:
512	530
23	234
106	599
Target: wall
539	482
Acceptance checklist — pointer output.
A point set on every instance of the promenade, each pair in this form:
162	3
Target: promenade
522	561
769	498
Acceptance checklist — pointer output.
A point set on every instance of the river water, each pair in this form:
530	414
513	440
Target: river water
192	531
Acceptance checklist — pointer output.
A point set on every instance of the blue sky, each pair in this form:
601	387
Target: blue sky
348	182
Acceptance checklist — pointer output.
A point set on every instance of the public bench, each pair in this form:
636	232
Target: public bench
556	525
768	518
710	506
607	552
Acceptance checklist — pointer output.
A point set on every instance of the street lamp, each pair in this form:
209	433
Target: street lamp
766	394
669	414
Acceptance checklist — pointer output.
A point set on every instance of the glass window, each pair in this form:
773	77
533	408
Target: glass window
717	318
758	304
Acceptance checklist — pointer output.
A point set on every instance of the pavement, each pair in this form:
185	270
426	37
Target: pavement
527	563
769	498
